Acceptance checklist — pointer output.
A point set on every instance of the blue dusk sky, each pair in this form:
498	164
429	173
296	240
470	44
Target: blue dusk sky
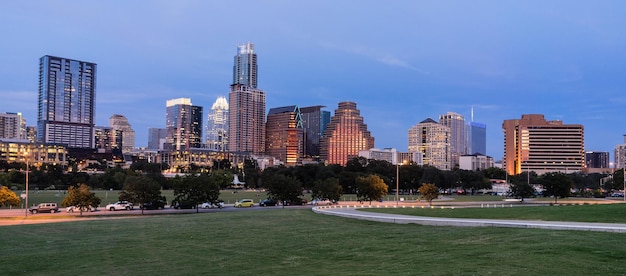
400	61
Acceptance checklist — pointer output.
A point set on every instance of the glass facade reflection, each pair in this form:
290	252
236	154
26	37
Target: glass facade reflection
67	90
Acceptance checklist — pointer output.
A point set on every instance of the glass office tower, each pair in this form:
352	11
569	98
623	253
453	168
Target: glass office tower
66	109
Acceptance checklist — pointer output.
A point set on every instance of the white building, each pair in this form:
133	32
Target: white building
475	162
392	156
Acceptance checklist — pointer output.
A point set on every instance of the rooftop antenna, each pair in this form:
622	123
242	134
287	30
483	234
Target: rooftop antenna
472	113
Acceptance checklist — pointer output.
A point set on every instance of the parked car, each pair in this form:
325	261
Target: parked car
298	201
268	202
154	205
183	205
321	202
120	205
244	203
72	209
209	205
48	207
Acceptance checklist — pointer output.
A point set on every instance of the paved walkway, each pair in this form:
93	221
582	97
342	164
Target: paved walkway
352	212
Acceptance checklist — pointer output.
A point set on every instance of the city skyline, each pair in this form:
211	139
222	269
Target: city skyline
400	62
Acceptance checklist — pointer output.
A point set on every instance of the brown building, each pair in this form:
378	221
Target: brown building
345	136
534	144
284	134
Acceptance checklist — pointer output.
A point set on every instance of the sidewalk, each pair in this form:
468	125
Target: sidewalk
354	213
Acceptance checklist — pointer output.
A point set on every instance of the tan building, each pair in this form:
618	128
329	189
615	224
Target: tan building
432	140
345	136
284	134
534	144
458	141
36	153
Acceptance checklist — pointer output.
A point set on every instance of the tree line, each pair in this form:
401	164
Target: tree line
287	184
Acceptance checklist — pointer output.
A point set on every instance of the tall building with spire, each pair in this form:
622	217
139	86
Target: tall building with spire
345	136
432	140
67	97
476	137
183	124
246	122
119	122
217	126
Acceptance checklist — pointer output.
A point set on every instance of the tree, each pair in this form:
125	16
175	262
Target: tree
81	197
283	188
429	192
521	190
197	189
140	189
327	189
370	187
8	197
556	184
222	178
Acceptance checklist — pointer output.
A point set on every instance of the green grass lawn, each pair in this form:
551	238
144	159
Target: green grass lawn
299	242
608	213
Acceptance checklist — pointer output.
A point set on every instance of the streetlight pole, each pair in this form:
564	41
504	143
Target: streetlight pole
26	206
397	182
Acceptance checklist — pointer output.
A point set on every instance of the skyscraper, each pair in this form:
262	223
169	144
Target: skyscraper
345	135
119	122
477	138
534	144
284	134
183	124
246	122
458	142
245	68
12	126
432	140
67	94
217	126
314	122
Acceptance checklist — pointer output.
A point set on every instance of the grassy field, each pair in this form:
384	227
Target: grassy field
609	213
299	242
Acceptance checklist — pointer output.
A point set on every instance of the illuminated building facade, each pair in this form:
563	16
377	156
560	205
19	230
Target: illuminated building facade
66	110
183	124
217	126
345	135
36	153
534	144
246	122
108	139
284	134
431	139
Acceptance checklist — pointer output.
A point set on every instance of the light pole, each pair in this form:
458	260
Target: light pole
27	165
398	182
